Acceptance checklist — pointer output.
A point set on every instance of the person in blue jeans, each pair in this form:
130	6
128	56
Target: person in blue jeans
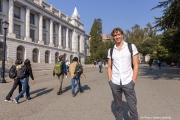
25	81
100	66
74	76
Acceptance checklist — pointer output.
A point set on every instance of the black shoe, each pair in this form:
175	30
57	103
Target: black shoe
59	93
28	99
8	100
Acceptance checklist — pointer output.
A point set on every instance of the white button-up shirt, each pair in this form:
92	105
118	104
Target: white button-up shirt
121	64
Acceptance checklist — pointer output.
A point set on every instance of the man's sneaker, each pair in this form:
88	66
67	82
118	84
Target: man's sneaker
82	91
15	101
28	99
73	95
8	100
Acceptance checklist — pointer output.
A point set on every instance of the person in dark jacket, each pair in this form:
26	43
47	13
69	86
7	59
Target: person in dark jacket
61	75
25	81
16	82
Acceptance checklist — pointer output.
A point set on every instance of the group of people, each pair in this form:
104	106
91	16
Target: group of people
23	83
75	70
122	75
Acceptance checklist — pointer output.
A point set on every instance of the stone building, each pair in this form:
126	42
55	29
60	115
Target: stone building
40	32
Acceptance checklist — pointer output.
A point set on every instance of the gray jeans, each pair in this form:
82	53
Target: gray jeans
130	96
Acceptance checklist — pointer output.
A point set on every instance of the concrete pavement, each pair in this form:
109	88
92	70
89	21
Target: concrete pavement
157	93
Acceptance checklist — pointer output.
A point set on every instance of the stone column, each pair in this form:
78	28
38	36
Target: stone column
51	33
41	30
59	35
82	44
27	32
10	20
74	41
67	39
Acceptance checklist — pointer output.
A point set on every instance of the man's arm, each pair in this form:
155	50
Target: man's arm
109	69
136	67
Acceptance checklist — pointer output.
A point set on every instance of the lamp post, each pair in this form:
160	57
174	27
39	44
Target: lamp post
5	26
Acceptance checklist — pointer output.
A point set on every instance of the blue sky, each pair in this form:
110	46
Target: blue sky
113	13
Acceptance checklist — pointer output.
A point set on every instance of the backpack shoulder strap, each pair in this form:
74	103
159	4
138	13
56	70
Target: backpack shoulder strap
130	49
111	52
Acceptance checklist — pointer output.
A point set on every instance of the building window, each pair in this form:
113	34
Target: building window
32	18
62	36
43	6
54	41
44	38
32	35
17	31
0	26
44	24
78	43
0	6
69	37
54	28
17	12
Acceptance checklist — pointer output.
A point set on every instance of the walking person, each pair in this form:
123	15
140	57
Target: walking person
100	66
25	80
67	65
75	71
16	82
150	64
159	63
121	75
60	71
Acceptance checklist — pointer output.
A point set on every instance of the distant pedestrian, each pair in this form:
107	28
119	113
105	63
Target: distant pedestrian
60	71
16	82
121	75
159	63
100	66
67	65
150	64
104	64
94	63
25	81
75	71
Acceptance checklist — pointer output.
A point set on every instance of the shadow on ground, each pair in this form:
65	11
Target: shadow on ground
167	73
125	110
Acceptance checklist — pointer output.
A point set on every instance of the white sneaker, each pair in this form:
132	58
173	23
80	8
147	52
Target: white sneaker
8	100
15	101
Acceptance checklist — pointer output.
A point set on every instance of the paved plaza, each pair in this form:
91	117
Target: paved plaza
157	93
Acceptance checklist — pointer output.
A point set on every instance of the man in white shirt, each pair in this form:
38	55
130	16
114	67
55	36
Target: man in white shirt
121	75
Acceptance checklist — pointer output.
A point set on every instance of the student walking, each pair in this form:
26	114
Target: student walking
75	71
121	75
16	82
25	80
100	66
60	70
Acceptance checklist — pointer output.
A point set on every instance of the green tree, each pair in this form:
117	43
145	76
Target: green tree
96	38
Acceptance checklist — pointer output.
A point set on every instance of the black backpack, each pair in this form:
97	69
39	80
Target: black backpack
21	72
130	50
12	72
78	70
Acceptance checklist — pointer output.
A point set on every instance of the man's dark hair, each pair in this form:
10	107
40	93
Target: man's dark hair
75	59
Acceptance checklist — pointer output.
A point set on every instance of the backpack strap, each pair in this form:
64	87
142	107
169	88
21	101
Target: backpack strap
131	51
111	52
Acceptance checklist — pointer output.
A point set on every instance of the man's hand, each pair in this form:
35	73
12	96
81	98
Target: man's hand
33	81
52	76
13	80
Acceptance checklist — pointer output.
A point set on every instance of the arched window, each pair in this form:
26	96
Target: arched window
47	57
35	55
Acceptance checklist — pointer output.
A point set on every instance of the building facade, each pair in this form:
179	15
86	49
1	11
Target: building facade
40	32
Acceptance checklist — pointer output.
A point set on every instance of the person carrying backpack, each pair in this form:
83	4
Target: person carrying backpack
23	74
16	81
60	70
75	71
122	74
